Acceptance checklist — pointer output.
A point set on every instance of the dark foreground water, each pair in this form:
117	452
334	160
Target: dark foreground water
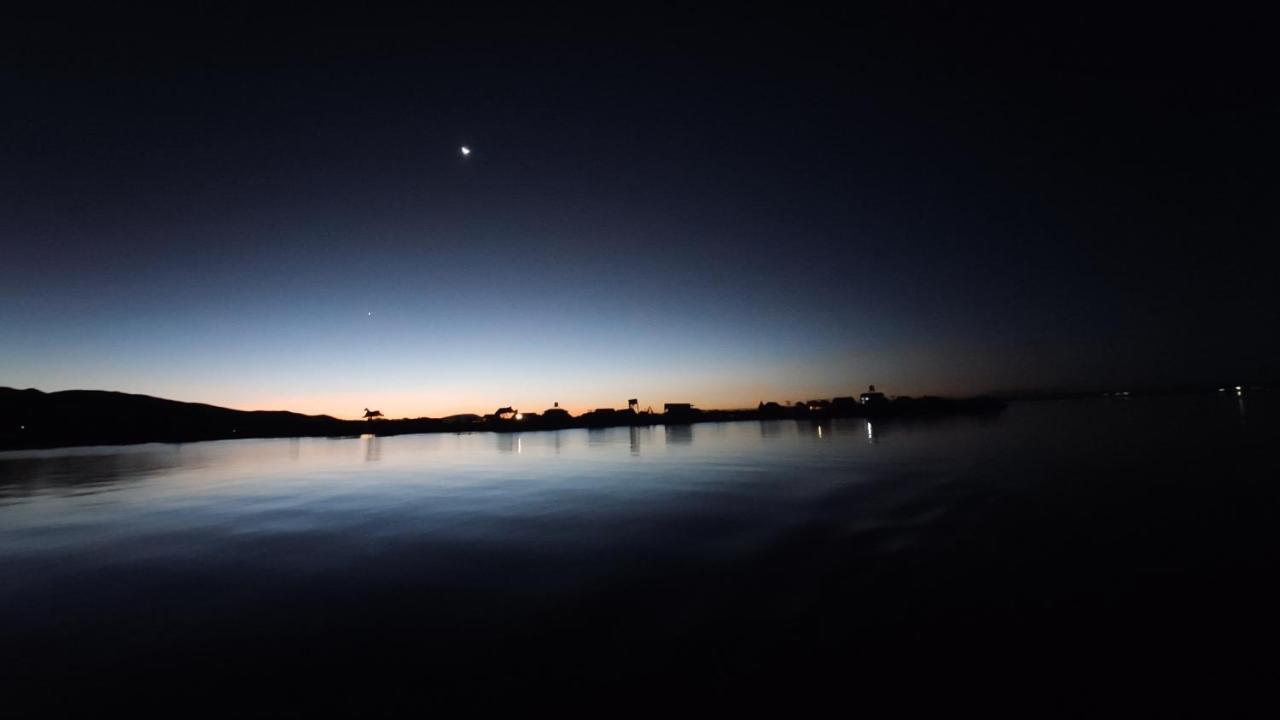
1088	557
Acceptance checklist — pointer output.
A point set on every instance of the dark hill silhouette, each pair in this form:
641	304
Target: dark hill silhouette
31	418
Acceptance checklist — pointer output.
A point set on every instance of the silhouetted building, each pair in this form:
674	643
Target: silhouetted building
607	417
556	414
677	407
871	397
771	408
817	405
843	404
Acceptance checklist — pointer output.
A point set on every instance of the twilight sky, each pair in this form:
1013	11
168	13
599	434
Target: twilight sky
266	215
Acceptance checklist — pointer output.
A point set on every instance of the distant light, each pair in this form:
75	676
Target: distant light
369	314
1238	388
519	416
465	151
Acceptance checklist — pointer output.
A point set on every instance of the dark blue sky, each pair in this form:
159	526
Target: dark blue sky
273	212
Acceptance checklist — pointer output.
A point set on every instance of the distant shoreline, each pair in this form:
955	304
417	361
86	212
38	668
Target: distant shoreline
31	419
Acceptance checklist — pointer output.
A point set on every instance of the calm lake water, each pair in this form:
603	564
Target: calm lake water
1072	554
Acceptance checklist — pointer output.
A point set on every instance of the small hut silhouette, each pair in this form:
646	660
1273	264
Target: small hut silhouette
371	414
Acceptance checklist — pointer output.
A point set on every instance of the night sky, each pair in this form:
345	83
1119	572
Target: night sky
273	213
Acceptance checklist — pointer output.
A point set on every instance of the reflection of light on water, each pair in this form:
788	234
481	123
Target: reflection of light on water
819	431
372	447
519	442
871	432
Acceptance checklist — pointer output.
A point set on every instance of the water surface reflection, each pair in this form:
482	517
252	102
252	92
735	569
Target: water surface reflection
707	556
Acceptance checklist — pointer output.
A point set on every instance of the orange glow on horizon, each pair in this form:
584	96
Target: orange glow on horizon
710	393
443	404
